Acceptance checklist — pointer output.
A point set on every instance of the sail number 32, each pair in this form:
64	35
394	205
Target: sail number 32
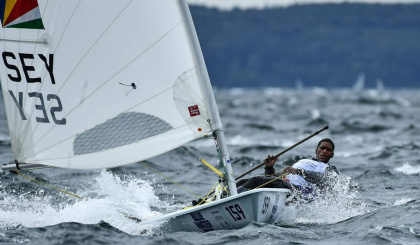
11	61
236	212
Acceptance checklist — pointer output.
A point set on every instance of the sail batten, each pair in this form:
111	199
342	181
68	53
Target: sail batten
40	41
106	91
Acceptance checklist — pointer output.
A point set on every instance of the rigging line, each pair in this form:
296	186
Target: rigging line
169	179
279	177
205	198
282	175
199	159
106	82
45	184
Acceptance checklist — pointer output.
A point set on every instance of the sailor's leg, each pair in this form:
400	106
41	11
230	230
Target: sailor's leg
241	189
241	182
265	182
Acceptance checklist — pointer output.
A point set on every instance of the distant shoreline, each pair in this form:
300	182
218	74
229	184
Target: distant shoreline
257	4
319	45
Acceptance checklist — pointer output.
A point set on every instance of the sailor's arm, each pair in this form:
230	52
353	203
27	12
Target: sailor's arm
269	171
327	178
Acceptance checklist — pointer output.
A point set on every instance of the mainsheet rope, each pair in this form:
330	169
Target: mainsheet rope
45	184
279	177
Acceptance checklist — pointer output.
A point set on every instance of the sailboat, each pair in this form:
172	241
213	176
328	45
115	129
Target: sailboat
91	84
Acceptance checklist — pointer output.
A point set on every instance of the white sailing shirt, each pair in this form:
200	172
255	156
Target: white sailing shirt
307	165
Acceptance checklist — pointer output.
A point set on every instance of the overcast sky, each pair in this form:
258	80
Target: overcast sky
243	4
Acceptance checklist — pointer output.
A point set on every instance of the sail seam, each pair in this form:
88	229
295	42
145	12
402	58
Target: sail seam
42	41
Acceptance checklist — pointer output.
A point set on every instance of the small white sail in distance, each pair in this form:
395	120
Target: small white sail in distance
65	99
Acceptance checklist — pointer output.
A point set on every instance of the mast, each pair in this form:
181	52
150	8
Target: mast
220	138
208	92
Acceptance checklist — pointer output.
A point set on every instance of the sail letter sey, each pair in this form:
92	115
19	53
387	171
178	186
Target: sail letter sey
26	60
14	73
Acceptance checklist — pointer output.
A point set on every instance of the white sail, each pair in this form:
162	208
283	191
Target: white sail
84	92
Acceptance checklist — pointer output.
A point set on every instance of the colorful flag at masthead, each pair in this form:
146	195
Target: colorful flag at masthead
20	14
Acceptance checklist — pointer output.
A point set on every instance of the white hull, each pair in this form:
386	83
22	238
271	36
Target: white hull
235	212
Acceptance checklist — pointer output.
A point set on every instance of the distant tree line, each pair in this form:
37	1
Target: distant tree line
326	45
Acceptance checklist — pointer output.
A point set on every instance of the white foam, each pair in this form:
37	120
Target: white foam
114	197
315	114
237	91
360	151
239	140
4	137
402	201
340	204
269	91
408	169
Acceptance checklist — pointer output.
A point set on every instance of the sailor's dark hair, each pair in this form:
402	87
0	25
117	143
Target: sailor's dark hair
328	141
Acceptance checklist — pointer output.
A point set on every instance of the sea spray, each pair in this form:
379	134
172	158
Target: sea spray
124	196
113	199
408	169
339	204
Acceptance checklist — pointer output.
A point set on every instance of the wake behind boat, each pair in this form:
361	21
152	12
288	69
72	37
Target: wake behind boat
88	88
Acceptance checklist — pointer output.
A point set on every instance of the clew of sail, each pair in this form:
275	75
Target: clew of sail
83	92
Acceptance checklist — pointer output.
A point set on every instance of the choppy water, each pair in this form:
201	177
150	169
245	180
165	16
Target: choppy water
377	200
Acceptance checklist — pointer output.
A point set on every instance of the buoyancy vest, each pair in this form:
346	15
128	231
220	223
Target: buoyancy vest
309	165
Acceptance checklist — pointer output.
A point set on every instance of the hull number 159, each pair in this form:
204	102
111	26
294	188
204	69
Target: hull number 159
236	212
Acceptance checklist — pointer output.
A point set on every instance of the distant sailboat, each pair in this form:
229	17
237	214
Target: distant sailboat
299	85
380	85
94	84
359	85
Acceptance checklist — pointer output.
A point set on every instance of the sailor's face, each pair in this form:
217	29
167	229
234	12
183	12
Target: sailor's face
324	152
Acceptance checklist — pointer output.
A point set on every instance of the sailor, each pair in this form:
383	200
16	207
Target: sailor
306	178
